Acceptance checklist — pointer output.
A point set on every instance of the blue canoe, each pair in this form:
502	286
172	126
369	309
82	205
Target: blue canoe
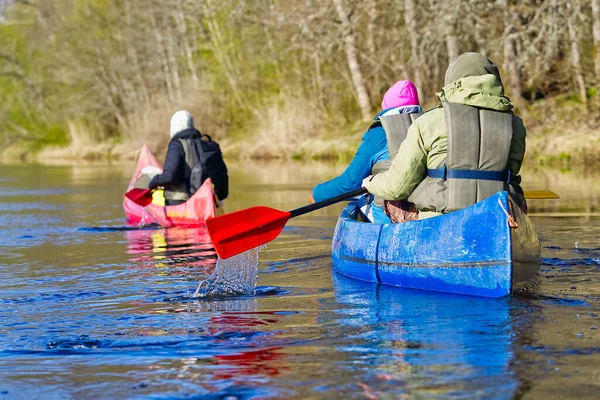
472	251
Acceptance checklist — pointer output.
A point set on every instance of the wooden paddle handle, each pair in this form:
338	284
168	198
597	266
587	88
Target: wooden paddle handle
326	202
540	194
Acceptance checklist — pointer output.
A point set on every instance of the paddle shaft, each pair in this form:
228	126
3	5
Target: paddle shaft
326	202
529	194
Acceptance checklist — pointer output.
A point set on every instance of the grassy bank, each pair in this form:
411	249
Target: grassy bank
562	133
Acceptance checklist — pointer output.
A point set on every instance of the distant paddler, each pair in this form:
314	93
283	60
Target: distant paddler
191	158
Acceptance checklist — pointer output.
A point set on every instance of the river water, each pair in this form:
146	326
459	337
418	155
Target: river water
92	308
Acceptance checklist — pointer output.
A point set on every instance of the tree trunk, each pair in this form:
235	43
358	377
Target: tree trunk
372	45
596	36
573	13
352	58
319	80
162	55
371	28
451	45
449	29
218	47
410	19
510	63
182	24
132	52
172	49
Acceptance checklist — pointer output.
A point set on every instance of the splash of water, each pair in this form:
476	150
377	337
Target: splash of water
233	276
145	220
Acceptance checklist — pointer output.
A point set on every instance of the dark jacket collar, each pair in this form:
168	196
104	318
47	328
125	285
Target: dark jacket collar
186	134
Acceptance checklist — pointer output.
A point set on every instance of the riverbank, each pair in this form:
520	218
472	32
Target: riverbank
564	133
561	134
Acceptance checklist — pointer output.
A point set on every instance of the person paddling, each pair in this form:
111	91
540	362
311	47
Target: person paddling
468	148
191	158
400	107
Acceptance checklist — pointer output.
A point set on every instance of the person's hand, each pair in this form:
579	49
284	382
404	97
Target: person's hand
311	199
367	179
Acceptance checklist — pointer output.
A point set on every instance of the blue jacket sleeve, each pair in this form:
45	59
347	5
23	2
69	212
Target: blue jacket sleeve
172	168
370	150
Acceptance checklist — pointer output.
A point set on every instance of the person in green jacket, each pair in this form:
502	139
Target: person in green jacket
471	80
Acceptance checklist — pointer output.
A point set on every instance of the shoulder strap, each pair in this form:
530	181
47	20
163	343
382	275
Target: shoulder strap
189	150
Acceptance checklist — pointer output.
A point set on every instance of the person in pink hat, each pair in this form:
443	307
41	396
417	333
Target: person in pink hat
400	106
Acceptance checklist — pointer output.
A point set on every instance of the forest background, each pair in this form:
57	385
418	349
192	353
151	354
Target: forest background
95	79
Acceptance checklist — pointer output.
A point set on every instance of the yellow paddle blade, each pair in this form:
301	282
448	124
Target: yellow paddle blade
540	194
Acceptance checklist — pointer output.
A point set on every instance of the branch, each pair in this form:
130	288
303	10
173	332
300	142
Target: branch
9	59
13	74
27	3
19	74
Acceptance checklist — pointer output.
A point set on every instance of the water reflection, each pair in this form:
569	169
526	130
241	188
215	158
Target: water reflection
430	344
181	250
176	250
236	351
268	362
579	191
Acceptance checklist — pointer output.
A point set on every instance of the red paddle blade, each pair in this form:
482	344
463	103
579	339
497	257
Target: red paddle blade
142	197
243	230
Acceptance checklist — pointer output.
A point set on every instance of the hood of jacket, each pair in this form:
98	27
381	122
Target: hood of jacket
474	80
181	121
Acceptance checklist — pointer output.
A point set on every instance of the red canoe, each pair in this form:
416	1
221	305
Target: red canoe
193	212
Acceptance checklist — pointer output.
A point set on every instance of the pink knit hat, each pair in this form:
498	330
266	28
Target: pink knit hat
403	93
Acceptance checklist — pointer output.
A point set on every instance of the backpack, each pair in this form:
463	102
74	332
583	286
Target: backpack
208	163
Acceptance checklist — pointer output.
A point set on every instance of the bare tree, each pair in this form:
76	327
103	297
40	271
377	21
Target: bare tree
573	14
410	19
351	56
372	45
510	62
448	12
596	37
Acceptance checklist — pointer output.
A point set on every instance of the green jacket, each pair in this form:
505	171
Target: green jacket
426	144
